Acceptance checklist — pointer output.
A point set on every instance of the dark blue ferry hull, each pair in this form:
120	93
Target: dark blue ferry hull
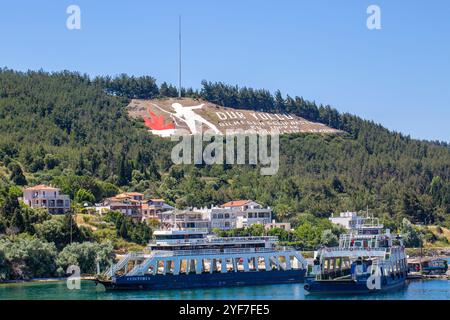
351	286
204	280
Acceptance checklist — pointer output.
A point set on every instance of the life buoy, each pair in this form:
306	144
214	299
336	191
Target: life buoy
351	249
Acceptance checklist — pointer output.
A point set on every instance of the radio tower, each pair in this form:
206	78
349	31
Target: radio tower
179	62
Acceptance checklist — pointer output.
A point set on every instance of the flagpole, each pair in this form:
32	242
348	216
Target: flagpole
179	66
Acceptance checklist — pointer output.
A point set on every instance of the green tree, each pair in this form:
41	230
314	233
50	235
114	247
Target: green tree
411	236
18	221
17	175
329	239
83	195
86	255
29	257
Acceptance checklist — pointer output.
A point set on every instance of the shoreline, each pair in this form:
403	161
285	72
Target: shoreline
45	280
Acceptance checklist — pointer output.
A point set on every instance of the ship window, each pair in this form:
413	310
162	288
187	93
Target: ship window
240	264
282	262
160	267
183	266
261	264
170	264
252	264
273	263
192	265
295	263
217	265
206	265
229	265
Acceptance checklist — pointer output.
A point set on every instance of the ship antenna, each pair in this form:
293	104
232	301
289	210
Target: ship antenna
179	62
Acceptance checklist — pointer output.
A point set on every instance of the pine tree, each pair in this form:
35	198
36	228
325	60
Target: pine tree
18	220
17	175
279	101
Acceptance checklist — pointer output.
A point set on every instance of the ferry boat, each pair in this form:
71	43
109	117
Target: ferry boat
179	259
369	259
428	266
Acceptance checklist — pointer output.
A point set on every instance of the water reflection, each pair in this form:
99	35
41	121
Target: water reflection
416	290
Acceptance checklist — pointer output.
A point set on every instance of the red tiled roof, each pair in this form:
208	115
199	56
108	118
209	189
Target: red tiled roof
40	187
237	203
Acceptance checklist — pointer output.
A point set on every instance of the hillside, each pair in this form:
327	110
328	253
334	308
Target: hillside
161	118
75	133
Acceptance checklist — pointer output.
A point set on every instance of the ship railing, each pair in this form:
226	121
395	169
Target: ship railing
124	261
216	240
221	251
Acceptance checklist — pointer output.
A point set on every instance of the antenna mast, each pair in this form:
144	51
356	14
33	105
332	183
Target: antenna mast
179	66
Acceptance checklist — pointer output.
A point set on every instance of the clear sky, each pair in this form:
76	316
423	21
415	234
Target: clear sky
322	50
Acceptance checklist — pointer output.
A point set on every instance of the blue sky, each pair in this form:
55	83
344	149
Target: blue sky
322	50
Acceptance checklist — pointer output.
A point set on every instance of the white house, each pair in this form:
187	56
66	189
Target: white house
239	214
346	219
42	196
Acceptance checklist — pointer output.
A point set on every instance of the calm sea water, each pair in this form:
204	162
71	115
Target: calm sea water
415	290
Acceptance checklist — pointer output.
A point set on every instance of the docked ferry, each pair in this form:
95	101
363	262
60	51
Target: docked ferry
179	259
369	259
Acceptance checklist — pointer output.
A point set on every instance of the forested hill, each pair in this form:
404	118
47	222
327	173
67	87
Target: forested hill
72	131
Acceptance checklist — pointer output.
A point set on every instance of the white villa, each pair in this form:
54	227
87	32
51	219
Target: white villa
238	214
346	219
43	196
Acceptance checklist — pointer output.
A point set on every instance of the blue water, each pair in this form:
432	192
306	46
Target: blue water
415	290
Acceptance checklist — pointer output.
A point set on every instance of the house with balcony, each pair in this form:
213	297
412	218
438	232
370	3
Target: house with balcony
153	208
278	225
190	219
239	214
128	203
348	219
43	196
133	204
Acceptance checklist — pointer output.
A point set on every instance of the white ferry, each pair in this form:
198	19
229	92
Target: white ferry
368	259
192	259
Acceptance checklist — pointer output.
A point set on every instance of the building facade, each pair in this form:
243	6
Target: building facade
239	214
43	196
347	219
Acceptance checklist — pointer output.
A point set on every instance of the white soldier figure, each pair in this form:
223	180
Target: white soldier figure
188	116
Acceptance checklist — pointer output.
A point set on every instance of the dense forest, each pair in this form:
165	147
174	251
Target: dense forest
73	132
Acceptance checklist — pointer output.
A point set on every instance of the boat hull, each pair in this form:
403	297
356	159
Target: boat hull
204	280
313	286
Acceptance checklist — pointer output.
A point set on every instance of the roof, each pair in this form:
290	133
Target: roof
237	203
129	194
157	200
40	187
133	194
